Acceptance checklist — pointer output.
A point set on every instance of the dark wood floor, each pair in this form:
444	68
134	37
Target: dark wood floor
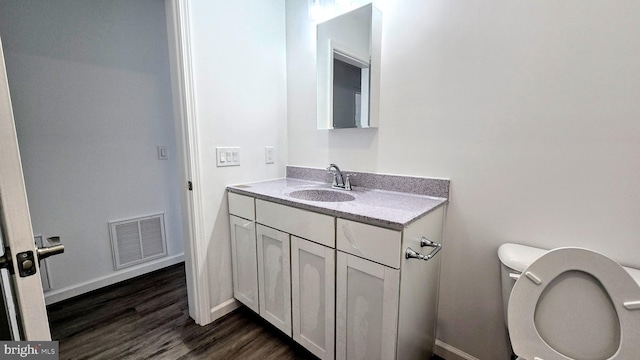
147	318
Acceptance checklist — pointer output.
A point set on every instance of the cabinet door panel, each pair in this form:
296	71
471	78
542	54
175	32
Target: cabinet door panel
244	262
313	289
274	277
367	309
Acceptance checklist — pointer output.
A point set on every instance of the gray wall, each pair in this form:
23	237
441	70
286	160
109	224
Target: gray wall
347	80
91	92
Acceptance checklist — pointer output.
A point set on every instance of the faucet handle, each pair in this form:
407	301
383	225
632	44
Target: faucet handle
347	182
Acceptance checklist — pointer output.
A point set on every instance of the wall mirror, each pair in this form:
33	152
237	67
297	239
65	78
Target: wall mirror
348	69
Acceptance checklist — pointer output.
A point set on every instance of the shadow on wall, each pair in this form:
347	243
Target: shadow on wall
220	248
98	42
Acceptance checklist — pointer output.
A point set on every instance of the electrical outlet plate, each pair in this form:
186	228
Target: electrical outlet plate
227	156
163	153
269	155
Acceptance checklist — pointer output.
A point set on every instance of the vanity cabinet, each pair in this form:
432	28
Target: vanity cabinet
312	273
342	289
386	304
290	270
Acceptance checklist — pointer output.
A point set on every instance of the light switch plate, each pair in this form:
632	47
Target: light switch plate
163	153
269	155
227	156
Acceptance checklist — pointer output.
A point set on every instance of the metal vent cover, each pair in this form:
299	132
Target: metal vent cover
137	240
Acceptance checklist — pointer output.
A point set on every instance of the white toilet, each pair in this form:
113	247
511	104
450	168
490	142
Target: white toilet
569	304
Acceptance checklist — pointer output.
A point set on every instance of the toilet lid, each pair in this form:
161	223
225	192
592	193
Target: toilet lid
529	294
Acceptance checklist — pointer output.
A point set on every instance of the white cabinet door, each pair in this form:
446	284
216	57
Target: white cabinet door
367	309
244	261
274	277
313	288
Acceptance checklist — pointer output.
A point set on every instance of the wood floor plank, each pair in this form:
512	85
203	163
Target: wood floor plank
147	318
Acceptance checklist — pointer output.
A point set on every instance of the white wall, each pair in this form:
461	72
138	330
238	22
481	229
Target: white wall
91	92
531	108
238	54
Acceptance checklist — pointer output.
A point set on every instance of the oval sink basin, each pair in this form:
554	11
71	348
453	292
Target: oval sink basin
321	195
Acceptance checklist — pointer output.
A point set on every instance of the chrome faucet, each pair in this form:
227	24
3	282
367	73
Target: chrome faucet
339	181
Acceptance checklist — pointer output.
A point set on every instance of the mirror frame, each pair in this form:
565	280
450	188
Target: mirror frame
356	58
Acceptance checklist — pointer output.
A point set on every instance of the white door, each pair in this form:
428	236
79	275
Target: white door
274	277
313	289
367	295
27	313
244	262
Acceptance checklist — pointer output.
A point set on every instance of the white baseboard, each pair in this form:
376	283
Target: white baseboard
224	308
448	352
54	296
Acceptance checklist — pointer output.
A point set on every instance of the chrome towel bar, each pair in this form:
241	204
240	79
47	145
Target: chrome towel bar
411	254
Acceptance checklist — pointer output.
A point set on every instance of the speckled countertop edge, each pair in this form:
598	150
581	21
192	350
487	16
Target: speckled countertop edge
388	209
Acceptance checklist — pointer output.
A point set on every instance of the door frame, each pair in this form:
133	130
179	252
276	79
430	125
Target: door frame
186	125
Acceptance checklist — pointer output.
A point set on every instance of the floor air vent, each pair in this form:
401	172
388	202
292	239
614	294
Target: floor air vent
135	241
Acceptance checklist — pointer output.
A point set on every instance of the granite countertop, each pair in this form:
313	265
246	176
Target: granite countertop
389	209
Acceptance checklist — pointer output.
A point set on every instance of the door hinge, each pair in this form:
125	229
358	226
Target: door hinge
189	186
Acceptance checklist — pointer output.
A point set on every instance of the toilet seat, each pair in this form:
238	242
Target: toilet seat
622	290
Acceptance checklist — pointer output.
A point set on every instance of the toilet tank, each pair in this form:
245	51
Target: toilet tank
514	259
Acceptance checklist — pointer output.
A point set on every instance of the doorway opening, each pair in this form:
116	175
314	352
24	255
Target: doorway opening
91	87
